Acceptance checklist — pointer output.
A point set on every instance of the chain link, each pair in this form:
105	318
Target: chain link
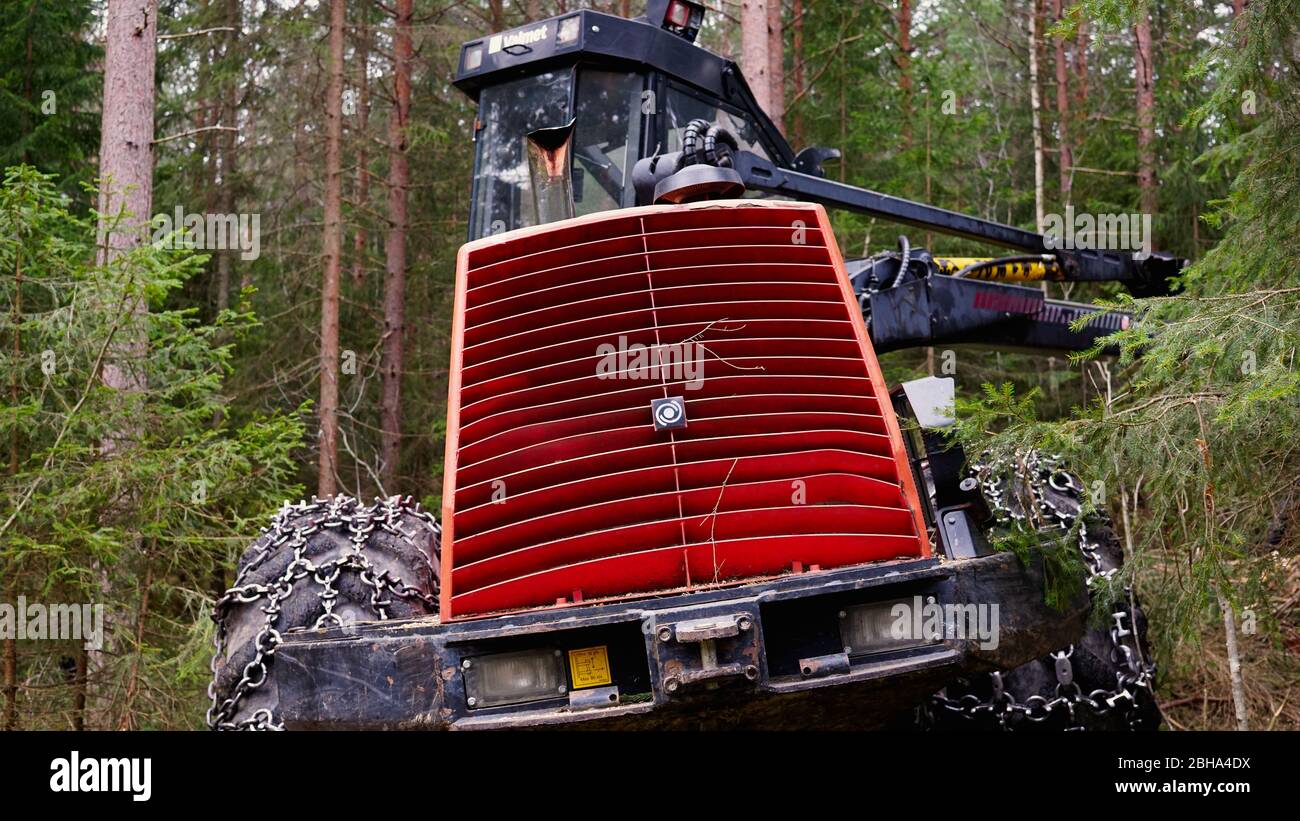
1034	507
292	528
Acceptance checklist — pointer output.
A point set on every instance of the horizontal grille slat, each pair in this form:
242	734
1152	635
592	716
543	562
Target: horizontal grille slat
647	359
667	532
596	385
641	297
816	490
707	314
689	450
703	409
596	442
641	395
532	358
632	484
669	569
628	255
558	486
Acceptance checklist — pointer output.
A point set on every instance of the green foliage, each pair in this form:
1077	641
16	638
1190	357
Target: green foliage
1200	422
47	93
1063	566
135	498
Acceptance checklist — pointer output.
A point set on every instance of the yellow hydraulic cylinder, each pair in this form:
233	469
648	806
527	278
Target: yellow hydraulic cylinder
1012	269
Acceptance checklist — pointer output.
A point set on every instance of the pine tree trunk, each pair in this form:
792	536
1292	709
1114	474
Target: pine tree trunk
1081	69
205	113
797	124
753	51
363	127
229	118
126	172
332	240
776	63
395	252
126	138
1146	114
11	684
904	63
1066	156
80	675
28	67
844	120
15	318
1036	110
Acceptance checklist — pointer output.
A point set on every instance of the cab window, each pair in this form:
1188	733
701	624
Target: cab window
683	107
607	139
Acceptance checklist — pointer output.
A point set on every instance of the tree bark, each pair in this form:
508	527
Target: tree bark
332	240
1066	155
1081	68
1234	664
28	67
1036	109
11	684
844	120
797	124
126	137
229	118
776	63
753	51
1146	114
363	126
904	63
126	156
79	684
395	252
125	201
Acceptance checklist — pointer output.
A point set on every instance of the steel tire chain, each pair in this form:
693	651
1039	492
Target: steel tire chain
338	512
1135	676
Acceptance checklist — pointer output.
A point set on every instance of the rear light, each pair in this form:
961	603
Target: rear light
881	627
679	14
513	678
681	17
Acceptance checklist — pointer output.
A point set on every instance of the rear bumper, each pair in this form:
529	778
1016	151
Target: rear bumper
781	665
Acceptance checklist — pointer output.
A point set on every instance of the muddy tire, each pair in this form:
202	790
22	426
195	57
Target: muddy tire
323	563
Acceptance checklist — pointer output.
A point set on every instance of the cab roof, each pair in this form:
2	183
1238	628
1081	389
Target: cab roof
605	40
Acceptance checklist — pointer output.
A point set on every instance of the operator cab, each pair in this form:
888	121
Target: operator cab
631	86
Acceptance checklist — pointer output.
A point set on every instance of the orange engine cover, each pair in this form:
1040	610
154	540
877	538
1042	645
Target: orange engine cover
560	487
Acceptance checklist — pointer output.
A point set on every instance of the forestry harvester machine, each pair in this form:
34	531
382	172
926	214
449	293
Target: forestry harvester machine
677	489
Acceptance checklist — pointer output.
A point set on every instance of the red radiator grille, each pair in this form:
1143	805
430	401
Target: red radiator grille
559	489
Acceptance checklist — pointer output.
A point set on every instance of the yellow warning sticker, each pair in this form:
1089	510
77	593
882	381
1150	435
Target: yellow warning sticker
590	667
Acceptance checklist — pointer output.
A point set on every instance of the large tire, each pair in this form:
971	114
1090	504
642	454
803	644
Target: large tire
1101	682
320	564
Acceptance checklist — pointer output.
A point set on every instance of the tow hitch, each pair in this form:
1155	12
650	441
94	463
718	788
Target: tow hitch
707	649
